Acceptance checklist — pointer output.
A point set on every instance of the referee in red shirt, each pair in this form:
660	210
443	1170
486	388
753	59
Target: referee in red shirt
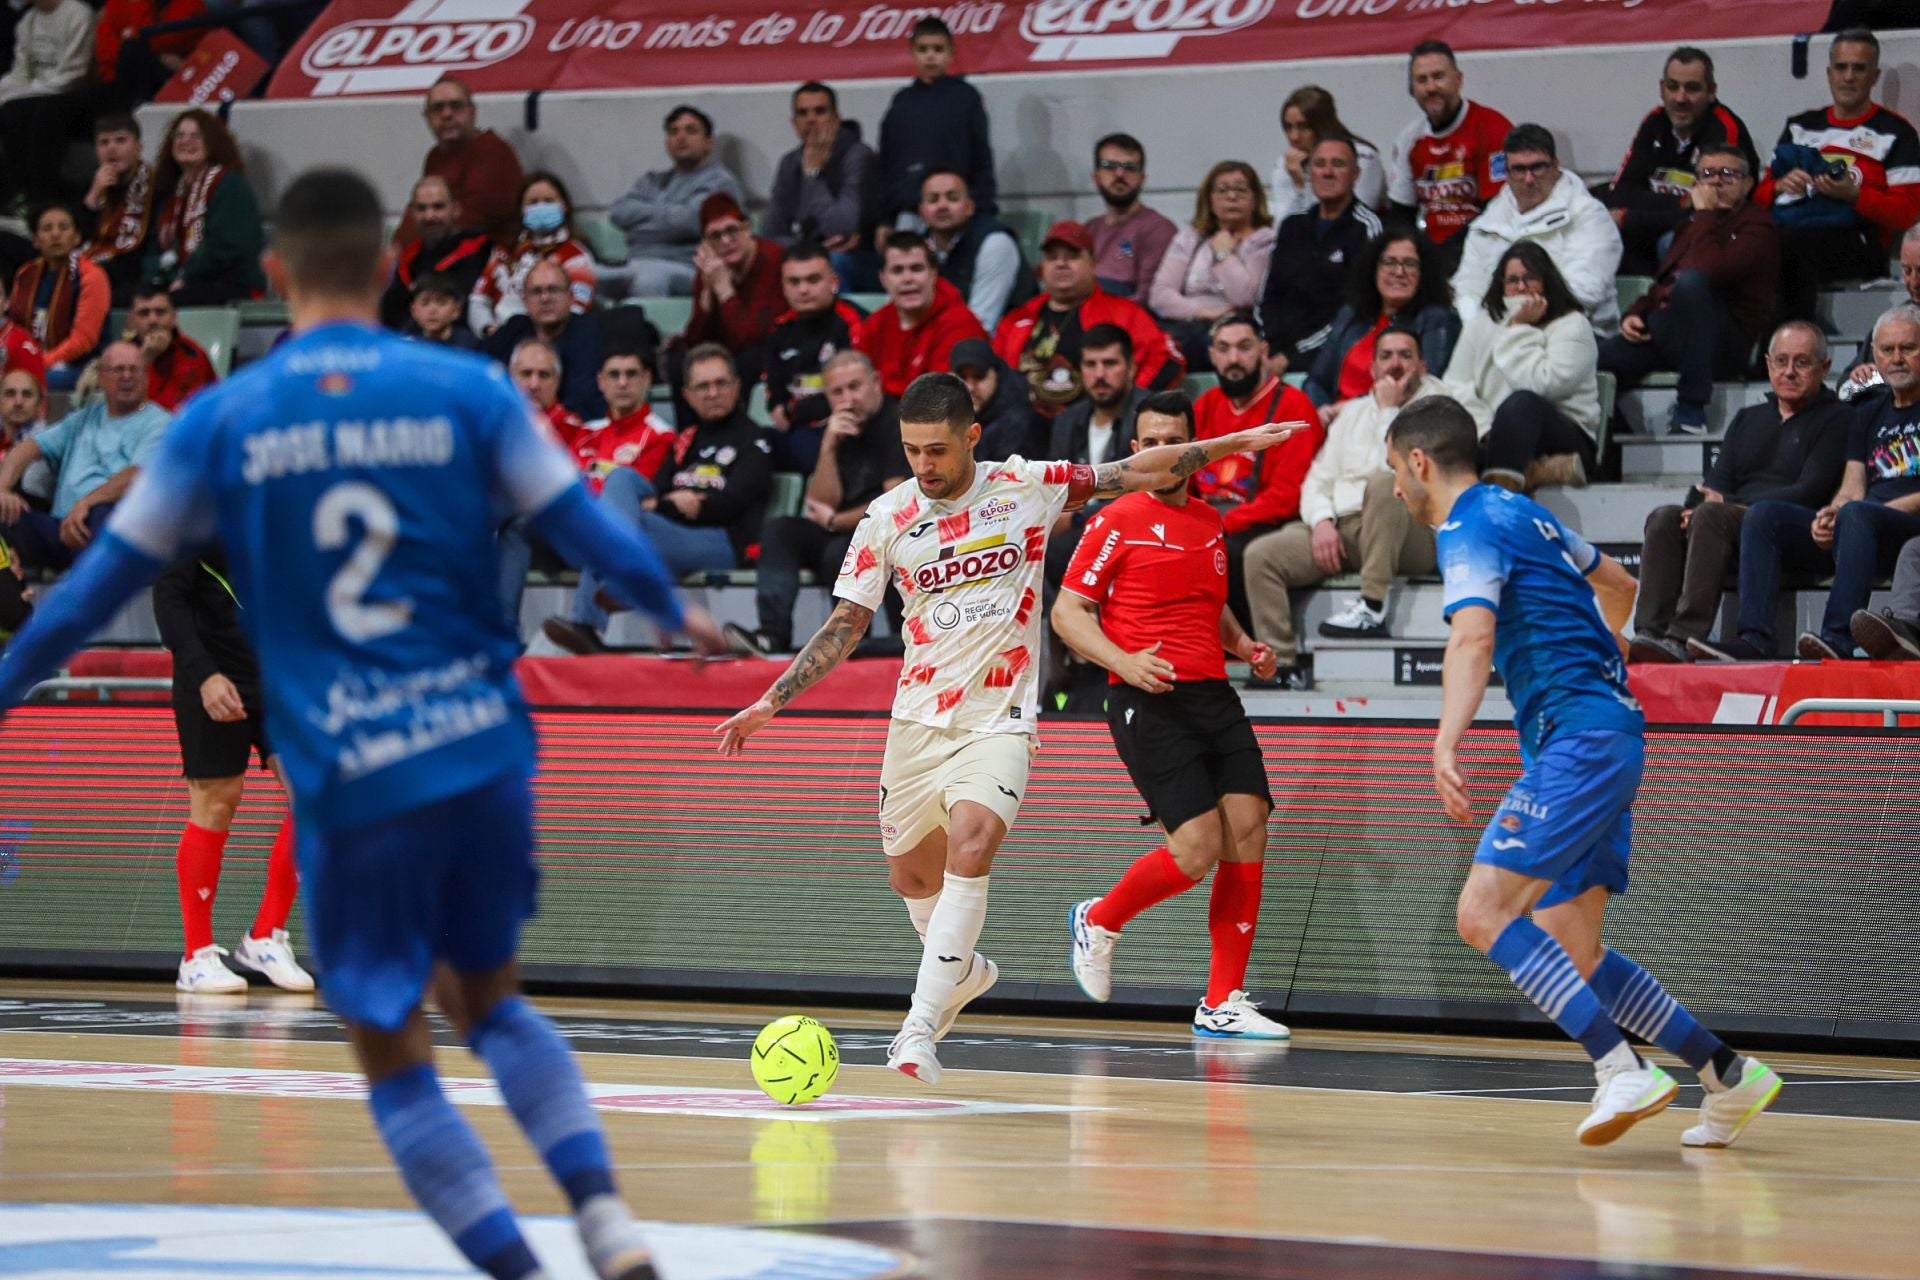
1146	598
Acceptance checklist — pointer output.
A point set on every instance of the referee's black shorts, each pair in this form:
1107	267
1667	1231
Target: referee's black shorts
1186	748
210	748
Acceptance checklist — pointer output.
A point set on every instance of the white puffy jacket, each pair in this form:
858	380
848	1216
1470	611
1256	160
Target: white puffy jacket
1575	229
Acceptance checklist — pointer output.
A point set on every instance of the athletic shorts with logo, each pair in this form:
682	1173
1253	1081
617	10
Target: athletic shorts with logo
1569	817
1186	748
926	771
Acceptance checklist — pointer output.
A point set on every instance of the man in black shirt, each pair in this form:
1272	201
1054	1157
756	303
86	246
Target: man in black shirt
819	323
1790	449
1307	276
1000	405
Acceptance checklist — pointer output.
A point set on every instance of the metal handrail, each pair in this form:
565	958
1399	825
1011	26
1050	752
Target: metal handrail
90	684
1889	709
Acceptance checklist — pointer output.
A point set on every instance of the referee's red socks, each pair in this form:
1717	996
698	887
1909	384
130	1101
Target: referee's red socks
197	867
1153	878
1232	913
283	881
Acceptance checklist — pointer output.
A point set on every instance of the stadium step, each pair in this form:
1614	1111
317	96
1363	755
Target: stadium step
1365	700
1850	313
1645	409
1645	458
1614	515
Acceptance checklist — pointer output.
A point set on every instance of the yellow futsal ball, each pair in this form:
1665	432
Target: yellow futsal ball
795	1059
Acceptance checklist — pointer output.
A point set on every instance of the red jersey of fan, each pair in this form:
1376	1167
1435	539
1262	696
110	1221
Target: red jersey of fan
1451	174
18	350
565	422
1158	573
639	440
1255	490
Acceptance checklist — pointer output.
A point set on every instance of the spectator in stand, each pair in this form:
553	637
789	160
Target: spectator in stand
1349	517
121	199
1254	493
177	366
1308	118
860	459
546	235
479	165
1396	281
1864	375
207	237
1790	449
1893	634
536	369
924	317
1527	351
61	297
1098	427
739	295
822	188
978	253
18	350
1448	163
1218	261
1007	425
576	339
131	70
1313	253
817	324
1859	533
435	313
1845	180
439	246
1129	239
1042	339
1712	298
937	122
703	509
96	452
23	408
1648	196
45	100
1553	208
660	214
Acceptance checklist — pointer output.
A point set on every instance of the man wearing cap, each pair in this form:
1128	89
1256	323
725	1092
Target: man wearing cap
1007	425
1042	339
924	318
737	296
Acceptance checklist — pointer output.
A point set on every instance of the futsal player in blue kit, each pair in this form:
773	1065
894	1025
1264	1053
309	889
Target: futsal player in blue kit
356	479
1527	595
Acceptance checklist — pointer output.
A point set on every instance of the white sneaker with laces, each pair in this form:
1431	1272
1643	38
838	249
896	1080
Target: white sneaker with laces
1626	1096
1356	621
1725	1113
1237	1018
981	975
1092	952
912	1051
203	974
272	957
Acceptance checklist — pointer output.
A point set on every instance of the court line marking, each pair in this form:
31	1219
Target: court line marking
1580	1088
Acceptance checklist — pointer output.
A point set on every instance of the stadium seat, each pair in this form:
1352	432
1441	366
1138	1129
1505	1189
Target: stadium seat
757	405
669	315
1197	383
788	493
215	328
1609	388
1028	226
1629	289
602	238
867	302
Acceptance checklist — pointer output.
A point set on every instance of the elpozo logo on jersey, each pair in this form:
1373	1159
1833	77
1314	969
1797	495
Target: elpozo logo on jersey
1090	30
414	48
968	563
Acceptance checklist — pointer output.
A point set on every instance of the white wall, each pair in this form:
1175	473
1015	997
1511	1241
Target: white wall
1044	125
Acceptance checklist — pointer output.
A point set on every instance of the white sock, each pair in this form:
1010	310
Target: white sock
608	1231
953	927
1621	1058
920	911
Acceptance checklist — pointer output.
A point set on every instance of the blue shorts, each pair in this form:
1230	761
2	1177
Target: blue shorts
451	881
1569	819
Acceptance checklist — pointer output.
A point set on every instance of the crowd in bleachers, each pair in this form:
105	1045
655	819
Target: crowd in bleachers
729	389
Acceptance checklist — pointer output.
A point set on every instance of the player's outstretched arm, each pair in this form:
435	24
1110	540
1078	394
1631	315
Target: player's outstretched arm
633	570
830	644
1169	464
106	577
1076	620
1469	663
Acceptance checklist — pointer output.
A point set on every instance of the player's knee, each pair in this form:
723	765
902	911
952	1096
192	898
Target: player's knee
910	881
1196	852
1479	923
215	800
970	855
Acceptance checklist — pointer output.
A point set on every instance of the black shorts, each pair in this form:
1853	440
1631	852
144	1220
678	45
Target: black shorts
1186	748
212	749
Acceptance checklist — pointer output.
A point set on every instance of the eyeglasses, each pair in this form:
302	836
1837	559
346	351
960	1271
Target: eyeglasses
1799	364
716	235
1521	280
1533	169
1120	166
544	290
1409	265
1232	189
1722	173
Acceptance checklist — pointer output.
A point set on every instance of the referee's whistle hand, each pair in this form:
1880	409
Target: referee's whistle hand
1146	670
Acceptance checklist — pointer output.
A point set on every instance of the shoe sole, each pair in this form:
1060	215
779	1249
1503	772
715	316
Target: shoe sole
1073	946
1880	641
1641	654
1209	1034
1752	1114
1815	651
953	1015
1602	1134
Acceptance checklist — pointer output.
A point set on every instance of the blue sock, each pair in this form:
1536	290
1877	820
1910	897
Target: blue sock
1544	972
447	1170
541	1083
1636	1002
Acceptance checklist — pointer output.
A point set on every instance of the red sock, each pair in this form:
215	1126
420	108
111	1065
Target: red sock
197	866
283	881
1153	878
1232	914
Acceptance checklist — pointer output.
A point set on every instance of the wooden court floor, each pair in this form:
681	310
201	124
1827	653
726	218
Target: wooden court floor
147	1135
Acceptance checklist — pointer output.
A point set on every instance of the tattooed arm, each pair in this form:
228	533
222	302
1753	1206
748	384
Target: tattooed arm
1169	464
833	642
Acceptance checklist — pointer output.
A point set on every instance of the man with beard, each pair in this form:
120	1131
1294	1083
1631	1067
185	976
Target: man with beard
1129	239
1448	163
1094	429
440	246
817	325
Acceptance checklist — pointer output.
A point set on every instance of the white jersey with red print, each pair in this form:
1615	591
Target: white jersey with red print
969	571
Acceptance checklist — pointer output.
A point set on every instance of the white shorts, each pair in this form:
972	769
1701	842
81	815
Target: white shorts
927	770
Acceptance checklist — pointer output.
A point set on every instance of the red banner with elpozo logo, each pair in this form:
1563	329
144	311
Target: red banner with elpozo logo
361	47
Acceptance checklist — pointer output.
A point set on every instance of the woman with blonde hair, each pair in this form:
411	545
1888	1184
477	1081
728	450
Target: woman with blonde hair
1218	262
1308	116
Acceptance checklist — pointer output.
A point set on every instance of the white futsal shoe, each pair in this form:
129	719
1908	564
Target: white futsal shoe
1237	1018
912	1051
272	957
1725	1113
1092	953
204	975
1626	1096
982	973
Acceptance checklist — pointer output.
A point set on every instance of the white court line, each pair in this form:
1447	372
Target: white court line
1581	1088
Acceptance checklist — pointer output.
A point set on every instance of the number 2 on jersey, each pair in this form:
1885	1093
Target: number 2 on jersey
353	617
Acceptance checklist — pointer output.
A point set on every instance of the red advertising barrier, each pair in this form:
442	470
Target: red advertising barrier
359	47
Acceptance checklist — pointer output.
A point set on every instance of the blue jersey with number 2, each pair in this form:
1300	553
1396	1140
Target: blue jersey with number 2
1552	647
357	480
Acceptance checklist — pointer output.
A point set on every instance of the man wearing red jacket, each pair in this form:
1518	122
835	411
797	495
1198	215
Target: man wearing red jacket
924	318
177	366
18	350
1253	492
1042	338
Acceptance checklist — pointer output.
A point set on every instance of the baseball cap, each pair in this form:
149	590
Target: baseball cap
1070	233
973	353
